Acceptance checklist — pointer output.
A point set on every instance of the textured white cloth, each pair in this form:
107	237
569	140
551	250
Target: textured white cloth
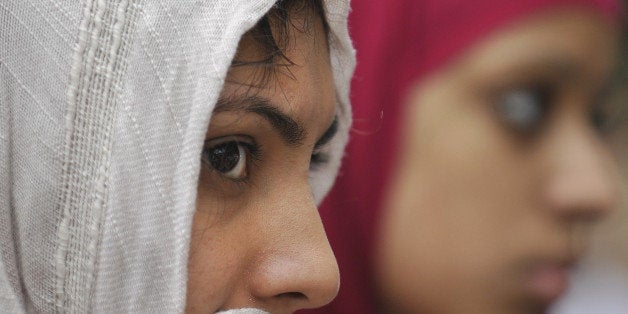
243	311
104	106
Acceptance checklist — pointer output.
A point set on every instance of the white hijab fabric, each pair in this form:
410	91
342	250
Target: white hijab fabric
104	105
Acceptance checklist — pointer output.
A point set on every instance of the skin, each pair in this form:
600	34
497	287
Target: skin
485	215
257	239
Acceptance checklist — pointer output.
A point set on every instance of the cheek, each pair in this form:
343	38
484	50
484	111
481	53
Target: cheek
462	161
216	254
208	286
446	230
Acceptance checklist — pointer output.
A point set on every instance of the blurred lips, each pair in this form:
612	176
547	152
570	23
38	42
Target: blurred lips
547	280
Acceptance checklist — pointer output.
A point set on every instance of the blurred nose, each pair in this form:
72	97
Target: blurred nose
296	268
584	182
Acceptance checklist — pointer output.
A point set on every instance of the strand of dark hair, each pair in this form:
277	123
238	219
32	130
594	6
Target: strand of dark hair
272	32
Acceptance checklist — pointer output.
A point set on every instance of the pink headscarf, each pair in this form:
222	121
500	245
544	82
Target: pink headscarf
398	44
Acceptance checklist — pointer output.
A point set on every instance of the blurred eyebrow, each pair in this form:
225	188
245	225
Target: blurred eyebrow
568	71
290	130
564	68
558	68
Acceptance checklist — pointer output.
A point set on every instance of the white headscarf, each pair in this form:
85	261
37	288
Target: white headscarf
104	105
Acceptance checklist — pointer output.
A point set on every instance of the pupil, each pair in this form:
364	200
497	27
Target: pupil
525	108
225	157
522	107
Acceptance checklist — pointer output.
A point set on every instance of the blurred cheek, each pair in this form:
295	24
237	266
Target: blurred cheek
450	206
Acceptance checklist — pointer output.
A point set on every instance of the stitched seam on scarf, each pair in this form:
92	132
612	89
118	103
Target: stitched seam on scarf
12	297
99	62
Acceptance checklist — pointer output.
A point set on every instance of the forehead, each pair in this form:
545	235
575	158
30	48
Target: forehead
570	41
300	85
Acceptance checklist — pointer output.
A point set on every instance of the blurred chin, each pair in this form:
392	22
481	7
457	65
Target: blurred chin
243	311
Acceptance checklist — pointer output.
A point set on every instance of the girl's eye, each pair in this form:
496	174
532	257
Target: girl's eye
606	119
600	120
229	158
524	109
606	113
317	159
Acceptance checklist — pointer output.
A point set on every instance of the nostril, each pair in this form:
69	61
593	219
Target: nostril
292	295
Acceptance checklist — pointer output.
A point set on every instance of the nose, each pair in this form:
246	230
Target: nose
295	267
584	184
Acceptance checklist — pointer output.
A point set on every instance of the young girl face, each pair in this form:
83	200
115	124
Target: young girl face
504	168
257	239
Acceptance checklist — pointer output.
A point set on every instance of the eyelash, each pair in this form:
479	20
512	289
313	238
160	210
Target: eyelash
318	159
252	152
253	155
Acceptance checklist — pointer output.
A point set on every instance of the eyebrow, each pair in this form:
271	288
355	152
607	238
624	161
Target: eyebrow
568	71
290	130
554	67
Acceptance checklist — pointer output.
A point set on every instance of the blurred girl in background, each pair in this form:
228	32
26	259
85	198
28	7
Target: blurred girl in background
479	155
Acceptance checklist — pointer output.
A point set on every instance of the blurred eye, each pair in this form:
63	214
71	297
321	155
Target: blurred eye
228	157
600	120
524	109
606	114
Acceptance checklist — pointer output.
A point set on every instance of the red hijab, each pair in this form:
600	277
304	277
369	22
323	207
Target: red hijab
398	44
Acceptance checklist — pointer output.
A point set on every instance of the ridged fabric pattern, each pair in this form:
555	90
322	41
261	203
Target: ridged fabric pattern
98	68
104	105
